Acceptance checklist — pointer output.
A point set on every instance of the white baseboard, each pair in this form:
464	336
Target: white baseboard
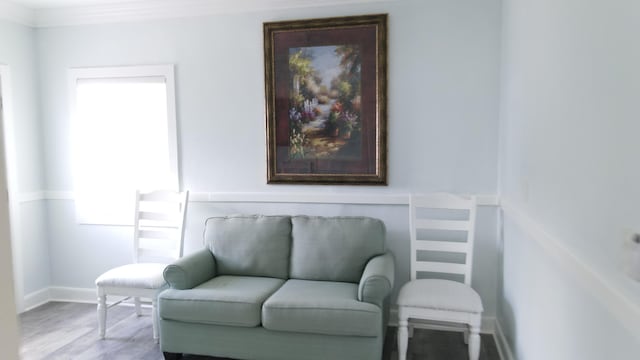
65	294
504	350
36	298
69	294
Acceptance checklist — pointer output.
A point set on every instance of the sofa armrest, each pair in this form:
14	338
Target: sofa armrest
377	279
191	270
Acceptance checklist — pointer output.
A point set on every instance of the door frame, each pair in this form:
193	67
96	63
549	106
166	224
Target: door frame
7	118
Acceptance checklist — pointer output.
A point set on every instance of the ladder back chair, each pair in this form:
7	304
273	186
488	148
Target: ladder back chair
442	235
158	240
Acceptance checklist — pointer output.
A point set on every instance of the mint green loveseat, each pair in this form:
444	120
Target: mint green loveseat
280	287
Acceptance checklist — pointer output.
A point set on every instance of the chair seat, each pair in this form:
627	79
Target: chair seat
440	295
139	276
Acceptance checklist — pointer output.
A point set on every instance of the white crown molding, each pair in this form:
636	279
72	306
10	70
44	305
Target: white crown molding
17	13
163	9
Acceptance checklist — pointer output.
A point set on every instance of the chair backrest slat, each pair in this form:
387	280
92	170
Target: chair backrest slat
155	253
168	219
168	247
158	233
159	225
443	246
452	225
162	196
441	267
442	229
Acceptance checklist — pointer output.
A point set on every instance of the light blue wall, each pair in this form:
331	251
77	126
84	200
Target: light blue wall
443	111
31	253
17	50
443	85
549	312
569	164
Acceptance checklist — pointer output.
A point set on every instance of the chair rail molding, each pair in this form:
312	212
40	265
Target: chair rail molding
623	308
366	198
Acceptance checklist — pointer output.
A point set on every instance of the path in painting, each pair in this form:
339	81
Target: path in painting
321	144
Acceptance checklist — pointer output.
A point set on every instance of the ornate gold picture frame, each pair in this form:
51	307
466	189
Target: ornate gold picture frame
326	83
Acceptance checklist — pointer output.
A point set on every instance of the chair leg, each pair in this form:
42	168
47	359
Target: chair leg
154	319
138	305
403	338
474	342
465	335
102	314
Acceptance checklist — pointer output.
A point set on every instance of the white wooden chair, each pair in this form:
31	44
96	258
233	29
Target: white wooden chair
442	228
158	240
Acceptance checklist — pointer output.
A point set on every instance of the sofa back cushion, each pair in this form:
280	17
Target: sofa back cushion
334	248
250	245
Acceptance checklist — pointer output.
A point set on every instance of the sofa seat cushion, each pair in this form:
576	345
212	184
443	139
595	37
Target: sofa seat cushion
321	307
223	300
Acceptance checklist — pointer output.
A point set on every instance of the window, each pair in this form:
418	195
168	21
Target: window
124	138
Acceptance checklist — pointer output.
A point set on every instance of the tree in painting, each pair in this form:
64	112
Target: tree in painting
324	114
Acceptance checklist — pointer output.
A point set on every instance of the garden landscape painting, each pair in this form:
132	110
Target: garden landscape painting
325	83
324	119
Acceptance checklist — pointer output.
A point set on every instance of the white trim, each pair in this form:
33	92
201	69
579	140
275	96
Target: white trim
129	11
488	325
58	195
10	163
312	198
65	294
504	350
31	196
159	74
17	13
488	200
44	195
35	299
277	197
612	298
69	294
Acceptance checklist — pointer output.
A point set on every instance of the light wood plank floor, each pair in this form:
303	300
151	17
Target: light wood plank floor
68	331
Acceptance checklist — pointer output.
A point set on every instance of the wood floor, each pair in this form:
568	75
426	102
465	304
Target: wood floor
68	331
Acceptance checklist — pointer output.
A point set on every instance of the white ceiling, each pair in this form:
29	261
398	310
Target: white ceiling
43	4
46	13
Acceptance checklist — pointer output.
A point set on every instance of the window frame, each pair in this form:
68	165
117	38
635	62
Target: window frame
165	71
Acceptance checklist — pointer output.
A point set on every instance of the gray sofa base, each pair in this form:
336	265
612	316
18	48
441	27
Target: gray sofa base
260	343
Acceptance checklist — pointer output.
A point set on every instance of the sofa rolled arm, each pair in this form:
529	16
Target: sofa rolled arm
191	270
377	279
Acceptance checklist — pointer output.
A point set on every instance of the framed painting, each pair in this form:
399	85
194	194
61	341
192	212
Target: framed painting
326	105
